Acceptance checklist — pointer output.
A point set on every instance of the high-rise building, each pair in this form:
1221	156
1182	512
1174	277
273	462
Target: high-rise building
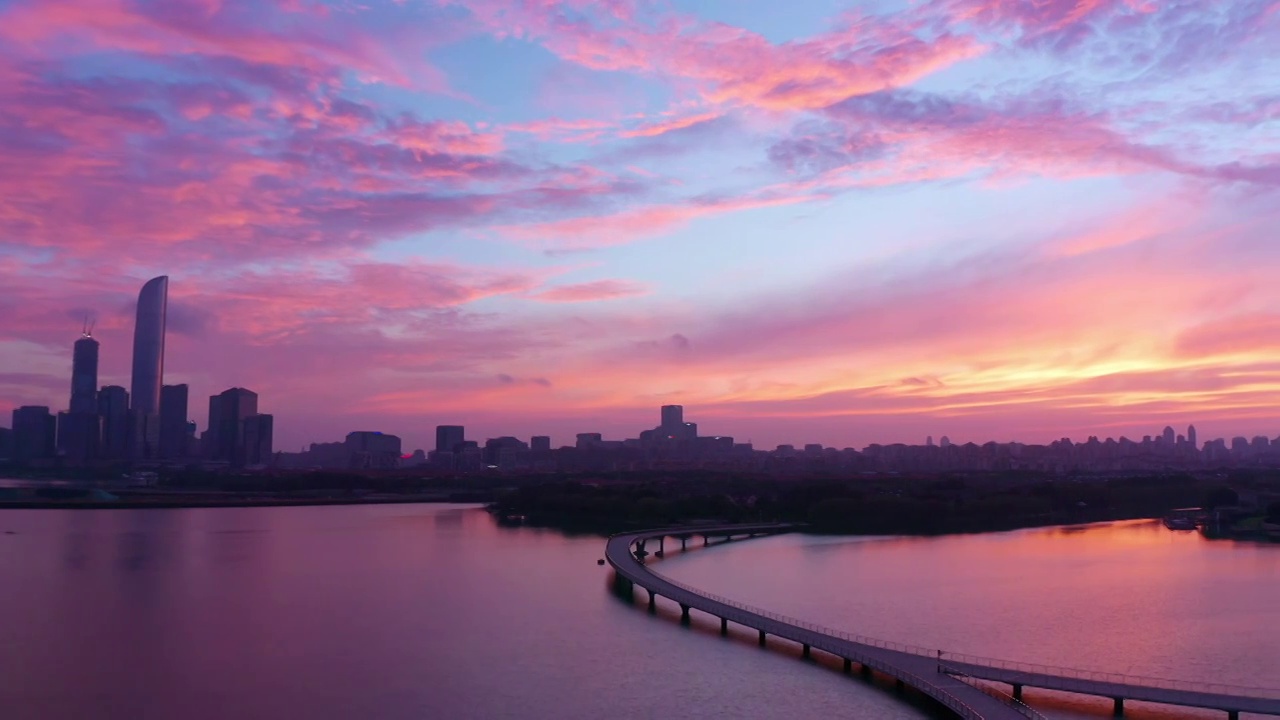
34	433
540	443
449	437
148	346
1191	437
173	421
256	431
672	416
84	376
113	408
227	413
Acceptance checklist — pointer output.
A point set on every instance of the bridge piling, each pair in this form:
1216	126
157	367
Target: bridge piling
1118	711
684	614
1017	691
1233	715
724	626
899	685
761	638
848	666
683	544
805	651
866	671
653	601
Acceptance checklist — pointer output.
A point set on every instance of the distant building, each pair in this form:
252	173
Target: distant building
540	443
256	439
113	408
34	433
449	438
589	440
372	450
227	412
173	421
672	416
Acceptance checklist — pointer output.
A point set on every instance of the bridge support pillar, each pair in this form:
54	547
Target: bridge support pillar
899	685
805	651
705	541
684	614
848	666
1118	711
1017	691
1233	715
724	626
866	671
761	638
684	543
653	601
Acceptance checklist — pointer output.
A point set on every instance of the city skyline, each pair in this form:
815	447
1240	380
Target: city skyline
992	221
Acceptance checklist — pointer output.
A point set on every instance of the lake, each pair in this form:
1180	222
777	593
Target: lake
425	611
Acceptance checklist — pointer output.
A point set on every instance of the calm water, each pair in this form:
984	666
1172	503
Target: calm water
432	611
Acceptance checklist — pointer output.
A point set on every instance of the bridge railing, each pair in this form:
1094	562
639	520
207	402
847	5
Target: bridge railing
1115	678
1072	673
1023	709
811	626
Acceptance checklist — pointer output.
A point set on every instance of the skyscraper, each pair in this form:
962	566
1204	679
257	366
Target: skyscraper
79	428
173	421
148	346
1191	437
84	376
672	416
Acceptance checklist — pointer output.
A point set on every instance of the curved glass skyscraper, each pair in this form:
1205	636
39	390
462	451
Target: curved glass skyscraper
148	346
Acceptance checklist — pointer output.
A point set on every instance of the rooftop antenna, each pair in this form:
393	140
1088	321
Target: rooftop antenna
88	326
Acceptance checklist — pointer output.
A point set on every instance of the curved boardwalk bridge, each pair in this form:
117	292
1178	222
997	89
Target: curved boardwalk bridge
946	677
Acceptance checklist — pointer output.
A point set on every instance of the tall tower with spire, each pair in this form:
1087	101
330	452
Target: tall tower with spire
79	428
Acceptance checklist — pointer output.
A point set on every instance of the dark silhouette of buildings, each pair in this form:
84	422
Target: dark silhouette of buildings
173	421
540	443
34	433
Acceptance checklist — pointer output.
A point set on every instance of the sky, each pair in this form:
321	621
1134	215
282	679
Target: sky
814	221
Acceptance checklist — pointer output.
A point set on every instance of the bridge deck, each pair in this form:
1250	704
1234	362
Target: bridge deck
1127	688
919	667
915	670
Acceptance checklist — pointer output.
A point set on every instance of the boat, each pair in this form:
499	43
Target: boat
1180	523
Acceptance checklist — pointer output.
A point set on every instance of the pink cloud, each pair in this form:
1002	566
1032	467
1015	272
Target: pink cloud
591	291
730	65
627	225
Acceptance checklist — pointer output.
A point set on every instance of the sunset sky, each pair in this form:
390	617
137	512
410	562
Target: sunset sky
809	221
